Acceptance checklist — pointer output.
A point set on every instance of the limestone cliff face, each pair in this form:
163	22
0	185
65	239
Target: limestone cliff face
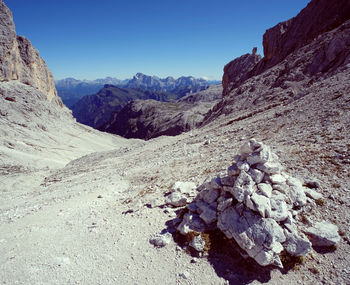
238	70
318	17
19	60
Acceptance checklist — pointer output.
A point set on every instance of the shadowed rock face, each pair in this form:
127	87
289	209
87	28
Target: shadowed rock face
19	60
237	71
146	119
318	17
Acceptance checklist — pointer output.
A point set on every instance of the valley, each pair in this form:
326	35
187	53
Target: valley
80	206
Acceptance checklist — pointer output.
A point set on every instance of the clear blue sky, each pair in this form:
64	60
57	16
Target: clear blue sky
89	39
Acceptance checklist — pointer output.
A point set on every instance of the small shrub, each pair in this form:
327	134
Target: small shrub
291	262
319	202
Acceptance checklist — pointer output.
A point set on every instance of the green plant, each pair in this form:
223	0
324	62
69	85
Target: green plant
291	262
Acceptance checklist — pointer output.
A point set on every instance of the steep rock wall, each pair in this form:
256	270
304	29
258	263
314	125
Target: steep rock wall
19	60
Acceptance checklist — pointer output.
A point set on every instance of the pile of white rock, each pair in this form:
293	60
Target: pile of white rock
257	204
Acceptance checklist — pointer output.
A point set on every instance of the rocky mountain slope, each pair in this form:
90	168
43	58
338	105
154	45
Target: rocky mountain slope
146	119
96	110
71	216
71	90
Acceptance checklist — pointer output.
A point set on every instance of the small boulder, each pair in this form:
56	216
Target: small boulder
312	194
188	188
297	246
176	199
265	189
323	234
161	240
197	243
256	174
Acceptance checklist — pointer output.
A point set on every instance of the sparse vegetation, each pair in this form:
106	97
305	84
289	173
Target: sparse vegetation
291	262
320	202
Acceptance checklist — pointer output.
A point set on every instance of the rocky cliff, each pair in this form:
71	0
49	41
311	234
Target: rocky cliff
286	38
238	70
318	17
19	60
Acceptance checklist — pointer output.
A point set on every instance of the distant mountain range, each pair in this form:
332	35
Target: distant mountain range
72	90
96	110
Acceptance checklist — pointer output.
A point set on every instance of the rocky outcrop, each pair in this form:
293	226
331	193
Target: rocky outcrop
237	71
287	38
19	60
258	205
318	17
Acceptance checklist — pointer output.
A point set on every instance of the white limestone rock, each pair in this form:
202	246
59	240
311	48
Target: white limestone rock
202	206
228	181
233	170
265	189
197	243
249	147
243	166
324	234
224	204
297	195
256	174
270	167
209	196
243	186
296	245
161	240
313	194
176	199
279	210
254	234
187	188
278	179
262	205
262	156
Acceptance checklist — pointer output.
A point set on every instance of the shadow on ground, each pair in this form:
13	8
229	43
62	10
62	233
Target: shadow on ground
227	259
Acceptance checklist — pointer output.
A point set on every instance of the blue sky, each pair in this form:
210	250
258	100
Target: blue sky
89	39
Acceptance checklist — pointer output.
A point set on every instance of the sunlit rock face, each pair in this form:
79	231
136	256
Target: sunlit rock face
19	60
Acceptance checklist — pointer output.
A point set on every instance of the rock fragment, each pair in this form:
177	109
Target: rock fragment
197	243
323	234
161	240
176	199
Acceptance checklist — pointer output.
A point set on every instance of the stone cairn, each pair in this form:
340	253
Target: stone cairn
256	203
